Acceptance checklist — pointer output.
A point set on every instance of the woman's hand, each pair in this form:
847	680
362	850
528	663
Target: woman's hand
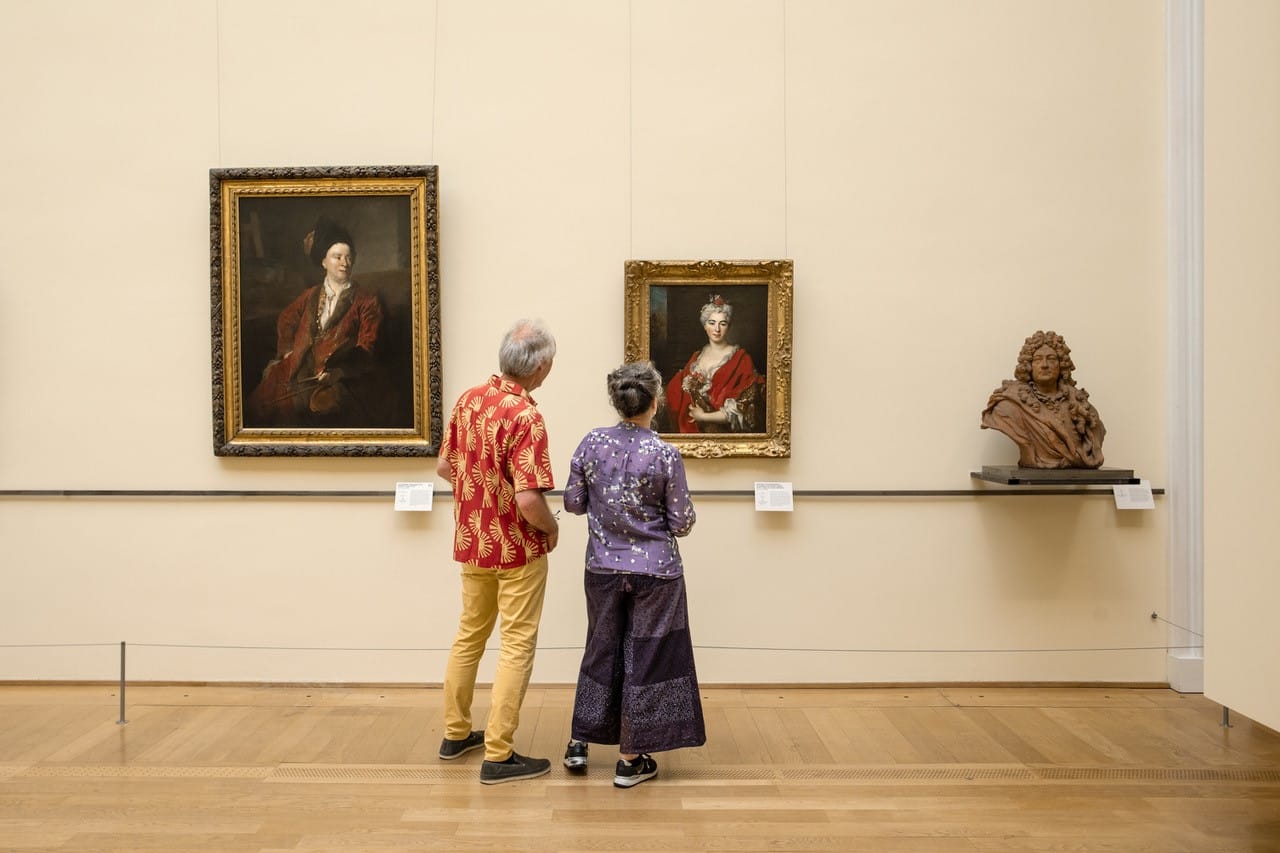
699	416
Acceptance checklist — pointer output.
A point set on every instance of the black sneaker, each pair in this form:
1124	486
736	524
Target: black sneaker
629	773
575	755
516	767
451	749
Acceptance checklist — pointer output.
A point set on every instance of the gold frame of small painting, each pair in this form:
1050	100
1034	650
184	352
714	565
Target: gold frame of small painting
720	334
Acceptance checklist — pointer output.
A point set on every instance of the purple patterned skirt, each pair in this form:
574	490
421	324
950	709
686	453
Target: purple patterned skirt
637	686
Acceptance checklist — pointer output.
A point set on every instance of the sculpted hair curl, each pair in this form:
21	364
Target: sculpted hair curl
1083	415
633	387
1055	342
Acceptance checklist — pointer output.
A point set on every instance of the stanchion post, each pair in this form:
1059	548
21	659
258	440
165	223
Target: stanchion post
122	720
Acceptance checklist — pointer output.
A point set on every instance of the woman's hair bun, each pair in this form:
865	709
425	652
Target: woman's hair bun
633	387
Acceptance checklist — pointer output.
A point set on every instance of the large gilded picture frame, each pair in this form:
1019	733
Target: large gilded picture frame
720	333
325	311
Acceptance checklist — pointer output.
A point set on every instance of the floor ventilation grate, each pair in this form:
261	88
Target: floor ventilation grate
717	774
405	774
909	774
145	771
1160	774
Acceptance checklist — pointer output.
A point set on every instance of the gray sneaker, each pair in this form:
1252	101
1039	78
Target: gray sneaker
451	749
628	774
516	767
575	756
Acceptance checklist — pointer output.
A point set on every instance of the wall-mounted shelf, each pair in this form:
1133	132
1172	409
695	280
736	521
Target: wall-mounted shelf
1012	475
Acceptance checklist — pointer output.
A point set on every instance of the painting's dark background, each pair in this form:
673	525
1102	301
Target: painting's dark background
675	331
274	269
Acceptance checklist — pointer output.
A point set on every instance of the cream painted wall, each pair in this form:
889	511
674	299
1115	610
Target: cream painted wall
1242	267
948	178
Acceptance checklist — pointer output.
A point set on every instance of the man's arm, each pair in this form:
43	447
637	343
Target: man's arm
287	324
444	469
533	508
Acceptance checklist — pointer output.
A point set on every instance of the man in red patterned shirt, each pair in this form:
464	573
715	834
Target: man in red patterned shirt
495	456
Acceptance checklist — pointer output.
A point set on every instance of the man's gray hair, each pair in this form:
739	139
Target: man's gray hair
526	346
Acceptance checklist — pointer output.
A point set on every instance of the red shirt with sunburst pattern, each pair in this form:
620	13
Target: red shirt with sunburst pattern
496	446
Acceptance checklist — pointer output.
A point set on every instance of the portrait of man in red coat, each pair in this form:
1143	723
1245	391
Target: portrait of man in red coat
325	309
325	370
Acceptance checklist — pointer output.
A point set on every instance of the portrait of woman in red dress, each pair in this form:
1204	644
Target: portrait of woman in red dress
718	389
719	332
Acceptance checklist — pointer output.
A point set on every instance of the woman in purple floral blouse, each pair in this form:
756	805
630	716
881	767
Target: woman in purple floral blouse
637	686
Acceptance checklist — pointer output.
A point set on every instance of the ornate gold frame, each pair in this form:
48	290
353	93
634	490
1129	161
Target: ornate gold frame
398	207
651	286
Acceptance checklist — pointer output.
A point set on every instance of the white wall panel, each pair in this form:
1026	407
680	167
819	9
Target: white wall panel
959	176
110	119
316	84
708	146
1242	267
532	124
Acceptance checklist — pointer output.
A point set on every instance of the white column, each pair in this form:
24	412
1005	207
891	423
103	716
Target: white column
1184	38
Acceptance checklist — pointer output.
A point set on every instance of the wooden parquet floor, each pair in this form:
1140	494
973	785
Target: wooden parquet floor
305	770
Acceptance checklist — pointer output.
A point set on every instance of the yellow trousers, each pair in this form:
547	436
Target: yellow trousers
516	595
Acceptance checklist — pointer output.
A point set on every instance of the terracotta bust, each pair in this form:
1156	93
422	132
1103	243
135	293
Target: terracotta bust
1044	412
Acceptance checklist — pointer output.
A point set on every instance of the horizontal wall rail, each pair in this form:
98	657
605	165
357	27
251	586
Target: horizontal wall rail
385	493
